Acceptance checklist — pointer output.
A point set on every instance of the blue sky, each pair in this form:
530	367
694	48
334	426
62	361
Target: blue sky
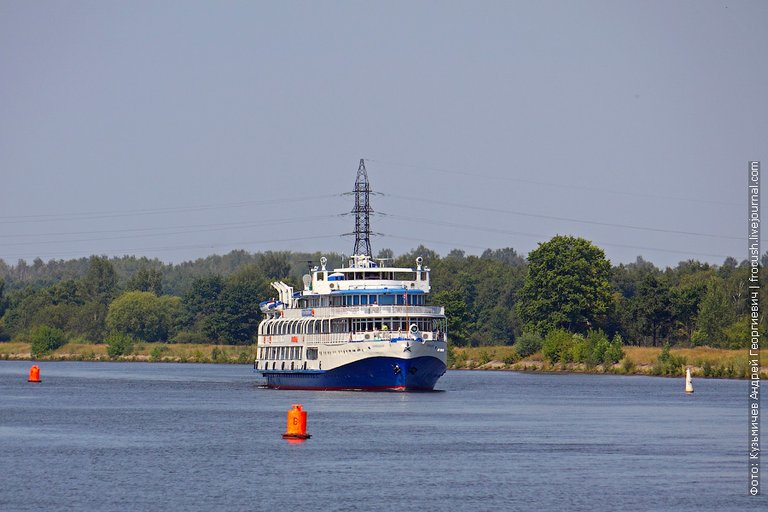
178	129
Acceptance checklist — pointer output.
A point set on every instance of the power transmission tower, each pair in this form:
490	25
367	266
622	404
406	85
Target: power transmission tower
362	212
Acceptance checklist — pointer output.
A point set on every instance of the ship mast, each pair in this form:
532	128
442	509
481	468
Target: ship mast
362	212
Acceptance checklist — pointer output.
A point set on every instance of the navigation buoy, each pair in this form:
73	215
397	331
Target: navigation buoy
297	424
688	383
34	374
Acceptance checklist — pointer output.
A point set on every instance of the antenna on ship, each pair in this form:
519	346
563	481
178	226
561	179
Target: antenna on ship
362	212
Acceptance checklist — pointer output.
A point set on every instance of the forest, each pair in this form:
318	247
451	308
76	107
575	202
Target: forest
496	298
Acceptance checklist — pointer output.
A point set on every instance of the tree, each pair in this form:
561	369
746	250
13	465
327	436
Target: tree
715	314
455	313
3	303
200	300
506	255
237	314
566	286
101	280
144	315
650	308
275	265
146	280
684	302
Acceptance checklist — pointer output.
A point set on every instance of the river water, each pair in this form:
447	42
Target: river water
187	437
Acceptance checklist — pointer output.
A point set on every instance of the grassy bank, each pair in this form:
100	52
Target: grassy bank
703	361
155	352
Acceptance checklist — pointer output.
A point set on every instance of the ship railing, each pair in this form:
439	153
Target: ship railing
345	337
371	310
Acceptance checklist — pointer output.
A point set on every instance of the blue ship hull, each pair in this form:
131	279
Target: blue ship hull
375	373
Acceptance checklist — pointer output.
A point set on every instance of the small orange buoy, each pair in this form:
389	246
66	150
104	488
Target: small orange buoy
297	424
34	374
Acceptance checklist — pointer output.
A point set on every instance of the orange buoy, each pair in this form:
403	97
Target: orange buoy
297	424
34	374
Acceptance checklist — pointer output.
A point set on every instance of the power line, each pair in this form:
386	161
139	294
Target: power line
181	247
565	219
200	228
58	217
474	174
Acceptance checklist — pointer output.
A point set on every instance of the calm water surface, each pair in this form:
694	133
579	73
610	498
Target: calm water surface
133	436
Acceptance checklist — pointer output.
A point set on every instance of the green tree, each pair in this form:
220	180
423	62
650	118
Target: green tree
3	302
455	313
100	282
146	280
715	314
566	286
684	304
275	265
144	315
651	308
46	339
200	301
237	314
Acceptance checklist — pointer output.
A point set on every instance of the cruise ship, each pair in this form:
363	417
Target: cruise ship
360	326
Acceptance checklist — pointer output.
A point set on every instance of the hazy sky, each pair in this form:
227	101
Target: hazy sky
179	129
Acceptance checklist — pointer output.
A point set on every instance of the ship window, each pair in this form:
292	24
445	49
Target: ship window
372	299
312	353
364	300
357	300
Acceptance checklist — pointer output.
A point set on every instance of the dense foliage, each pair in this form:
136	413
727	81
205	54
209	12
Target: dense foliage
45	339
564	287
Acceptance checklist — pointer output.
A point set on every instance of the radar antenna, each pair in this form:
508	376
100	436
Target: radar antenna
362	212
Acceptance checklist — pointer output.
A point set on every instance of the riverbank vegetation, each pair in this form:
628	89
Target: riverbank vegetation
136	352
563	306
703	361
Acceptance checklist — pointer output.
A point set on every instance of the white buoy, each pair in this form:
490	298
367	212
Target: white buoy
688	383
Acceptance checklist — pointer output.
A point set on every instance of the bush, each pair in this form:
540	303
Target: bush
668	364
558	346
615	351
528	344
46	339
219	355
512	358
119	344
627	365
157	352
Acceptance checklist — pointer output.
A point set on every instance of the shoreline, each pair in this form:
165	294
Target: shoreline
704	362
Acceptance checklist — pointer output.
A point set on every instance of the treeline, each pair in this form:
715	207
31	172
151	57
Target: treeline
492	299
